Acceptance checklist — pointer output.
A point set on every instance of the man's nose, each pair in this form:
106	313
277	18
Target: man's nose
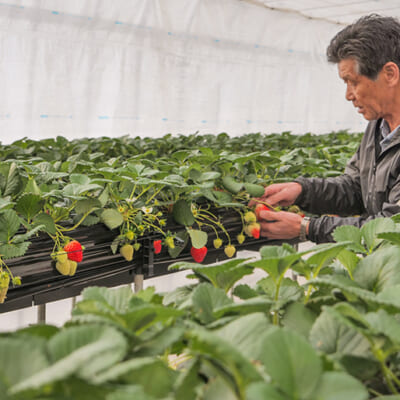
349	94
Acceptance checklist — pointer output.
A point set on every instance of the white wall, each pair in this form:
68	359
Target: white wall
82	68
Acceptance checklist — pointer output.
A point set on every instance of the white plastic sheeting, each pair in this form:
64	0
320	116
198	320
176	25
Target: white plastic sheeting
150	67
337	11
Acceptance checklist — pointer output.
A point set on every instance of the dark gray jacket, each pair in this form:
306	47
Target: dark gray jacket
368	189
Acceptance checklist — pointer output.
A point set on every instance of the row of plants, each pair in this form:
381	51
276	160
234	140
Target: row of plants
332	333
138	186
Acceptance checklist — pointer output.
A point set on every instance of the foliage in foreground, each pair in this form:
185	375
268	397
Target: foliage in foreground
334	333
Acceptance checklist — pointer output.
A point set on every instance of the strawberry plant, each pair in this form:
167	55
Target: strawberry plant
331	334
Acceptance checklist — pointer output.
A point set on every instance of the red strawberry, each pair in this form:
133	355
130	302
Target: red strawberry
198	254
74	251
260	207
157	246
254	230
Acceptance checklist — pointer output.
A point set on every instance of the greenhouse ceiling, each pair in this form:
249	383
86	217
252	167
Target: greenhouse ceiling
335	11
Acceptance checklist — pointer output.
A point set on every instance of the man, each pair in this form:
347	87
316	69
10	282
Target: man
368	57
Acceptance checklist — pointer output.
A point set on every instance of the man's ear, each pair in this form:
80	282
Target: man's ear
392	73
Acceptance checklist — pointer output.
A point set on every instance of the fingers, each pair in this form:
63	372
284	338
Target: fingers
280	225
268	192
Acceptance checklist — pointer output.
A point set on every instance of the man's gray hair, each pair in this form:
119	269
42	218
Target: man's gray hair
372	41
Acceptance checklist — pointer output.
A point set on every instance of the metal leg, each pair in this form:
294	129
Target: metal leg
138	282
41	314
73	302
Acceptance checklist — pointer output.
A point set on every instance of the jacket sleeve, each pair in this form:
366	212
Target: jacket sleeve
339	195
322	228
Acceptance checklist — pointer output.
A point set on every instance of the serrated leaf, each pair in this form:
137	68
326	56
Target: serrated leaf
222	275
246	333
379	270
46	222
14	351
144	372
9	225
349	233
14	250
371	229
182	213
198	238
87	205
339	385
205	298
83	350
292	363
111	218
29	205
332	336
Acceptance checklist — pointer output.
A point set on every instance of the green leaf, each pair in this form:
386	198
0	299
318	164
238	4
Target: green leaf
392	237
116	298
5	204
12	183
80	179
28	205
13	250
349	233
86	205
205	298
286	291
332	336
151	374
187	382
221	275
246	333
371	229
182	241
384	324
9	225
81	350
46	222
254	190
292	363
379	270
256	304
32	187
198	238
75	190
349	260
232	365
262	390
182	213
128	392
25	236
299	319
111	218
339	385
14	353
324	254
231	184
276	260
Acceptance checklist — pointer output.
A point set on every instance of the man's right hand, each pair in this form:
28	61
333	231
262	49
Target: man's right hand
279	194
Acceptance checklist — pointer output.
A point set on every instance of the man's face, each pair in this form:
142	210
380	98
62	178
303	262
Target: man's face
367	95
